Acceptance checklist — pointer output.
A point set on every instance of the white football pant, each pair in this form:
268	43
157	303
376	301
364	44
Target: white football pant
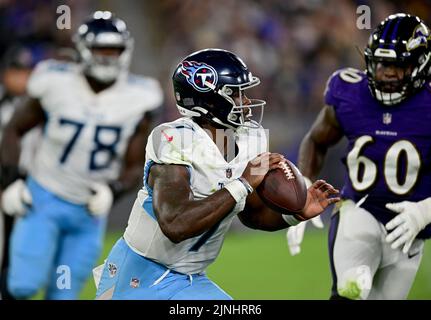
363	265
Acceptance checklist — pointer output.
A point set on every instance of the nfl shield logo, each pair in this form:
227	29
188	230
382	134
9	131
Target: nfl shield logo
228	173
387	118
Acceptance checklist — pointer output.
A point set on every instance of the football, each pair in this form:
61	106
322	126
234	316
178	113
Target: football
283	189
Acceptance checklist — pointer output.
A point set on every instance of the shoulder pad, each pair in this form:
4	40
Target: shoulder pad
45	76
169	143
146	90
52	65
134	79
343	84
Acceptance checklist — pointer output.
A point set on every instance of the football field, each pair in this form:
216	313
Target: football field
257	265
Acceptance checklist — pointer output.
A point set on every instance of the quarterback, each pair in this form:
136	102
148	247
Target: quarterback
195	184
377	234
96	117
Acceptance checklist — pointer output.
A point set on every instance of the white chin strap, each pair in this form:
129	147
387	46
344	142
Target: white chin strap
198	112
387	98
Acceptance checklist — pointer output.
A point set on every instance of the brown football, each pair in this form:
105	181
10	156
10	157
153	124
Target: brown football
283	189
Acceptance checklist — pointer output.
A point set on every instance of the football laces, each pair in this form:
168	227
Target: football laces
287	170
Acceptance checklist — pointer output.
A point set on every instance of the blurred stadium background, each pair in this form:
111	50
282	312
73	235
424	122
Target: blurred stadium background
293	46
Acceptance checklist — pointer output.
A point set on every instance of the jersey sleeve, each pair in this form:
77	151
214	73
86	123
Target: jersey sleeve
331	90
171	145
43	76
343	85
147	90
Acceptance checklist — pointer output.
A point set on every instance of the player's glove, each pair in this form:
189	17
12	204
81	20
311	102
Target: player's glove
16	198
295	234
411	219
101	200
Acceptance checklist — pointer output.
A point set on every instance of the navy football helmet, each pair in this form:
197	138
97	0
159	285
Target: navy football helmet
209	84
103	30
403	41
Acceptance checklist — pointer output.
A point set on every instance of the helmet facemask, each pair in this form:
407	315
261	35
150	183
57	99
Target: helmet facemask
391	92
247	115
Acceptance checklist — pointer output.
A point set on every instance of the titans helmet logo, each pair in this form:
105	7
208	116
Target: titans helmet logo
199	75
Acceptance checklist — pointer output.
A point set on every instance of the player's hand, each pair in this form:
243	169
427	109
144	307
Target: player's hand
16	199
295	234
101	201
319	196
411	219
258	167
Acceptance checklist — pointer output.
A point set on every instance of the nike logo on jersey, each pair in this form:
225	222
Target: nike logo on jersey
169	138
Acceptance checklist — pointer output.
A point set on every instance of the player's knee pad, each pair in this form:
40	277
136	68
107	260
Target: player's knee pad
355	283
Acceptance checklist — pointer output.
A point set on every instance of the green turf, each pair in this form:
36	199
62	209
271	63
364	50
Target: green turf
257	265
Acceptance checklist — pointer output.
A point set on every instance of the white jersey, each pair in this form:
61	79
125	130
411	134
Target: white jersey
183	142
86	134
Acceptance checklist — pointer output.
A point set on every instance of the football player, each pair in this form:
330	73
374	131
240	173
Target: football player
96	118
201	171
377	234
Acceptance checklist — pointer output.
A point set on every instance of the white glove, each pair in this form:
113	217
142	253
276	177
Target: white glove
101	201
295	234
16	198
411	219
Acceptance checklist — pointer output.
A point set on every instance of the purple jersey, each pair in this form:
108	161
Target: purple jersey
388	157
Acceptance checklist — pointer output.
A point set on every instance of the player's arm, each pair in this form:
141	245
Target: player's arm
179	215
324	133
256	215
26	116
134	159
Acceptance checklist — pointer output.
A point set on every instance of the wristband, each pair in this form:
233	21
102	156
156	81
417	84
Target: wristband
246	184
291	220
237	189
